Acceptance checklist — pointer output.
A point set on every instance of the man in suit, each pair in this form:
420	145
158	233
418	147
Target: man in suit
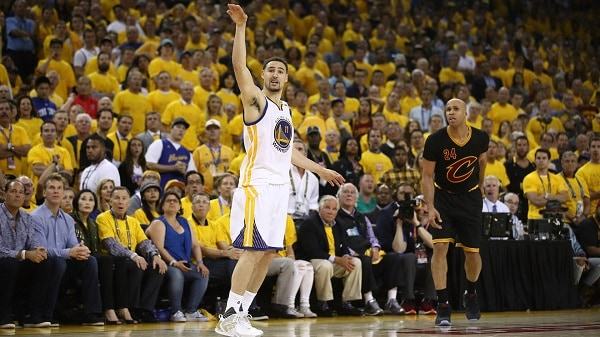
153	131
484	80
330	257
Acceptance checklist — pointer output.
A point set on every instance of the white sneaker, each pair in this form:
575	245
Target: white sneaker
178	317
195	316
307	312
226	325
8	326
37	325
244	328
292	312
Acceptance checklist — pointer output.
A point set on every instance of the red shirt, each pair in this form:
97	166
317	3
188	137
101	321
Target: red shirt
89	104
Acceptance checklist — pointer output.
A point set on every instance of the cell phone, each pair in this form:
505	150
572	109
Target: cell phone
187	264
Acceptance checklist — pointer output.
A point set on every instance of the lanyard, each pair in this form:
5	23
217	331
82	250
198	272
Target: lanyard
10	131
549	184
88	175
119	143
294	186
119	231
573	195
216	161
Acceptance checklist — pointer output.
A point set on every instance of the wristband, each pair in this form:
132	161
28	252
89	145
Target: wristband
23	252
172	263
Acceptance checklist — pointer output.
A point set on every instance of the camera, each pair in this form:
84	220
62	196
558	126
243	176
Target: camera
406	207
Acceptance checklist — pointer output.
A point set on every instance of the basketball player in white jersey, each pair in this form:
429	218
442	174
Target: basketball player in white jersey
259	205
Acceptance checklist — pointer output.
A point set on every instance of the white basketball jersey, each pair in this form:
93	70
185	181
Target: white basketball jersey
268	145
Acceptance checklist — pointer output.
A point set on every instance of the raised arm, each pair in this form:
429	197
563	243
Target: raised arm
252	98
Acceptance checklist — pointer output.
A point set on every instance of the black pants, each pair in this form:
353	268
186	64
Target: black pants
368	277
136	288
424	279
106	275
25	61
398	270
87	272
32	279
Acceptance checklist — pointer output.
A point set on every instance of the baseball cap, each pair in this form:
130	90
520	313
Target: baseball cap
175	183
151	174
149	184
312	129
212	122
165	42
180	120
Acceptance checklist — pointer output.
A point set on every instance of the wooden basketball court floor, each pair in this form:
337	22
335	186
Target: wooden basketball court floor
547	324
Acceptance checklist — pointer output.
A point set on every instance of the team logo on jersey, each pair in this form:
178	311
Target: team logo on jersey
461	169
282	135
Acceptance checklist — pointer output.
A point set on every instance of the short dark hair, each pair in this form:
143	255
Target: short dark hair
41	80
119	188
278	59
522	138
96	137
124	116
191	173
594	139
546	151
161	203
46	122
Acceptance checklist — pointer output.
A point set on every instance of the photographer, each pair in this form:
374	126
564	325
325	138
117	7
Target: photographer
304	189
401	234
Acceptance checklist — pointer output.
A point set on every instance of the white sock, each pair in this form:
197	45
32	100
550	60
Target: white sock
392	293
247	300
234	301
368	296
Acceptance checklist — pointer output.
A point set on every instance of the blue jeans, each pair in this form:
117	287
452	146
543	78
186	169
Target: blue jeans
193	281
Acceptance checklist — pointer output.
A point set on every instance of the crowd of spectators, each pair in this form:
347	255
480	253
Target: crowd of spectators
121	147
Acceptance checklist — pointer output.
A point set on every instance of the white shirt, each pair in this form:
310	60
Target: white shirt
93	174
83	55
155	151
466	63
488	206
422	115
304	192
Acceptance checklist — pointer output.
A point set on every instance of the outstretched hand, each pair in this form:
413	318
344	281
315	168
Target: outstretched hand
334	178
237	14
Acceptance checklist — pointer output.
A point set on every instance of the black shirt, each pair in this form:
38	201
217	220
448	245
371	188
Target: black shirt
588	233
456	167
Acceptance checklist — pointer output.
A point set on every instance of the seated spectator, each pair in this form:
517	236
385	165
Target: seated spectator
374	161
153	130
541	186
56	230
136	284
356	229
23	261
588	235
29	200
67	201
511	200
86	230
225	185
578	203
194	184
491	202
348	164
495	167
219	256
150	193
136	200
302	279
384	200
121	138
103	193
178	245
396	231
48	153
330	257
401	172
133	166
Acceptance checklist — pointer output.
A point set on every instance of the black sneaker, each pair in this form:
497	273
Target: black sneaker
471	305
257	314
372	308
145	316
443	315
323	309
347	309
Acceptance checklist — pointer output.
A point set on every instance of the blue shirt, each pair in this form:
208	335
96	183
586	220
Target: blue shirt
178	245
19	43
21	236
44	107
57	233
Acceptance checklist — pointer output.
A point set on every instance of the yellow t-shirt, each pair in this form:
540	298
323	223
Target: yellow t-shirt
230	98
550	183
236	164
499	113
223	229
553	154
577	190
141	217
313	120
308	78
159	99
158	65
536	127
447	75
498	170
40	154
66	75
91	66
127	232
590	173
32	126
217	210
186	207
297	117
192	114
289	237
104	83
211	163
407	103
19	137
135	105
188	76
235	127
205	233
375	164
120	146
201	97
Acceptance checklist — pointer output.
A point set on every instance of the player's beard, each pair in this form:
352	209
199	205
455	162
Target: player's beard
273	88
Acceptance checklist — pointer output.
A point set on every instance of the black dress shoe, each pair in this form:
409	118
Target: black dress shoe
323	309
144	316
350	310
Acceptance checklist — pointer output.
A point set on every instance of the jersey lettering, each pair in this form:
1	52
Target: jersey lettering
450	154
461	169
